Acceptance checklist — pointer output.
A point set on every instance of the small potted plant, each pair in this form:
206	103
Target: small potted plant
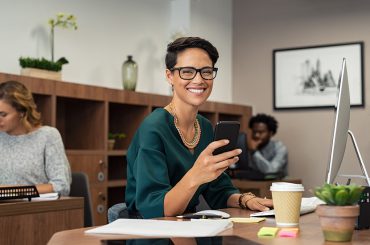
338	216
49	68
112	137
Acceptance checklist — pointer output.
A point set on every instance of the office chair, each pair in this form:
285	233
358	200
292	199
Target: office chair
242	169
242	164
203	205
117	211
80	188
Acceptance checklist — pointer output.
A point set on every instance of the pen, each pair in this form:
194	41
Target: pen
199	216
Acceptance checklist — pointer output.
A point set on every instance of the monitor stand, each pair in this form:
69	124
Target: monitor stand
362	165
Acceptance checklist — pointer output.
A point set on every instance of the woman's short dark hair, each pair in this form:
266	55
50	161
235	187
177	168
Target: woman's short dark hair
20	98
270	122
183	43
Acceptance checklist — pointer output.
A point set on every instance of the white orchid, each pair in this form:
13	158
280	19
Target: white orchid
64	21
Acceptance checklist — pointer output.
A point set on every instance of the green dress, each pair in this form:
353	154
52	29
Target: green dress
157	160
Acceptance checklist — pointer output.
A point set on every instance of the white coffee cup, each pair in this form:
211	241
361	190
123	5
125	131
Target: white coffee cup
287	198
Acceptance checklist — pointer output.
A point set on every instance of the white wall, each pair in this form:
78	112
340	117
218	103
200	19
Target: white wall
108	32
262	26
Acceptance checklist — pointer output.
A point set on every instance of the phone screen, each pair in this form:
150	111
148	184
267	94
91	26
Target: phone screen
226	130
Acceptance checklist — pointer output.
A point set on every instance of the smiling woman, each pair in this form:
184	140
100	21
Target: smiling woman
31	154
170	161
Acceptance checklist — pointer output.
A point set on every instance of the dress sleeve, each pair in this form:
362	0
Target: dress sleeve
218	192
151	174
57	167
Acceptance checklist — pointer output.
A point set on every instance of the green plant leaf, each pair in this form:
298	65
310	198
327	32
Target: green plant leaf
116	135
355	194
62	61
339	195
27	62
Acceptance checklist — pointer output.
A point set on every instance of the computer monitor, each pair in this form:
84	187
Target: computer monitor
341	126
341	131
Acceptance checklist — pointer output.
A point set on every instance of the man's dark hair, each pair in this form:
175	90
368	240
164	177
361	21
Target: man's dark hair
183	43
270	122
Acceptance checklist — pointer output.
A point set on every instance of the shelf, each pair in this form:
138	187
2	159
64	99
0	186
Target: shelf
116	195
117	183
125	118
44	106
85	152
81	123
117	153
117	167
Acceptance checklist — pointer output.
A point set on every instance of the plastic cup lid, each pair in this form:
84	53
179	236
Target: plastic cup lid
285	186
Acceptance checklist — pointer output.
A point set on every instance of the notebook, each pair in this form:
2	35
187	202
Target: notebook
164	228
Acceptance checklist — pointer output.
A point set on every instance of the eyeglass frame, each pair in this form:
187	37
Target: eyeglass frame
214	69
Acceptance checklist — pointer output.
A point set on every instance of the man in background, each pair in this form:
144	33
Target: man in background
267	157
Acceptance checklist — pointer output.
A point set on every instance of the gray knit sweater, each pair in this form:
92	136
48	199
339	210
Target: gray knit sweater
35	158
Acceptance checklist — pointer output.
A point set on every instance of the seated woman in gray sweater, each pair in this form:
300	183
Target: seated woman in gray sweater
31	154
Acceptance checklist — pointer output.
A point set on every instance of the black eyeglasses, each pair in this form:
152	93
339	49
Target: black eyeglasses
188	73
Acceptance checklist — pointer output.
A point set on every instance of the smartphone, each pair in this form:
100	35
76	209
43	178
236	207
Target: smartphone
226	130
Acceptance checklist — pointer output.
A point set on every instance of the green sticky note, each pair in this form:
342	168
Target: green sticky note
267	232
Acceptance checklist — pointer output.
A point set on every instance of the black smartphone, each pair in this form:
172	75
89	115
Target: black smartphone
226	130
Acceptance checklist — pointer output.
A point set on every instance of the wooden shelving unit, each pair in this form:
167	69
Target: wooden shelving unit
85	114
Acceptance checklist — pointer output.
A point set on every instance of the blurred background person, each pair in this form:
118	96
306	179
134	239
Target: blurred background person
268	158
31	154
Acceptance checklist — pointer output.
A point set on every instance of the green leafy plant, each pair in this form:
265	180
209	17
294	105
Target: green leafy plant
64	21
339	195
113	136
27	62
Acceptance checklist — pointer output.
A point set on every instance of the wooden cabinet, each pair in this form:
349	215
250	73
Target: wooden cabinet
85	114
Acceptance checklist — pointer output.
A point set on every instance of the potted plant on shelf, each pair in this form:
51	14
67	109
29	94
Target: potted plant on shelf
112	137
338	216
49	68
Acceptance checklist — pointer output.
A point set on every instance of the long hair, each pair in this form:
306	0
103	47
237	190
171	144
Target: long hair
20	98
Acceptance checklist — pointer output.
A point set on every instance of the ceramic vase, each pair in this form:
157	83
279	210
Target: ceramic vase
129	74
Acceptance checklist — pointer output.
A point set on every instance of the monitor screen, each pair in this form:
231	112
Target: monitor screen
341	126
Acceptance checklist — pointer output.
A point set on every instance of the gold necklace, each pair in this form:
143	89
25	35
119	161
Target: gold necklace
194	142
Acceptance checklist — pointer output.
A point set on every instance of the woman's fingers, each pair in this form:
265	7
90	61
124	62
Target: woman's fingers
259	204
227	155
214	145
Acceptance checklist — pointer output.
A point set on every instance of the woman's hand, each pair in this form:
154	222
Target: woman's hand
208	166
44	188
259	204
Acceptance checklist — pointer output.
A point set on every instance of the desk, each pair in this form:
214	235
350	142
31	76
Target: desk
23	222
310	232
260	188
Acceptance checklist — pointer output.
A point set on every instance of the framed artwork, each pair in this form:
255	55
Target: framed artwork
307	77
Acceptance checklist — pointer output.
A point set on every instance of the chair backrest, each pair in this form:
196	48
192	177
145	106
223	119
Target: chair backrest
80	188
203	205
243	163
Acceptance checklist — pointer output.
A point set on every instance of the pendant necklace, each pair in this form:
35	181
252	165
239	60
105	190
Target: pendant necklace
194	142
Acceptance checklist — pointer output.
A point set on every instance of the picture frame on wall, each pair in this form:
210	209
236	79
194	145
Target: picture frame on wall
307	77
